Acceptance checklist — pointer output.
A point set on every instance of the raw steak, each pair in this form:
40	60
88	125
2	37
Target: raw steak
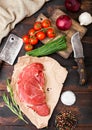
30	88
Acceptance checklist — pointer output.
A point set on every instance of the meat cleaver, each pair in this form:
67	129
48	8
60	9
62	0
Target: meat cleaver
79	56
11	49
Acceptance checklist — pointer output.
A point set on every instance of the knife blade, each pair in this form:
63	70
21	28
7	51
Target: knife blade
11	49
79	56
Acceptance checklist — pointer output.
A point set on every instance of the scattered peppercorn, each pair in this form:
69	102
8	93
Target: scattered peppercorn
65	121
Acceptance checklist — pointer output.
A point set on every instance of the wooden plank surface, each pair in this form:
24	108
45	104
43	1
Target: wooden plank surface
83	105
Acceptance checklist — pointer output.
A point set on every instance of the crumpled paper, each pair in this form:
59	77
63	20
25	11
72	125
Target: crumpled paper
13	11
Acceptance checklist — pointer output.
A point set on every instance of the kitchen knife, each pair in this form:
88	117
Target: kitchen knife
79	56
11	49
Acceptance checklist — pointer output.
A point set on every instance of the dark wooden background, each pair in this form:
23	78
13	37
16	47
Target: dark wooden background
83	106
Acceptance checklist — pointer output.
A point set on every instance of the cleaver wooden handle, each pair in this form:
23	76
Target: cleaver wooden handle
1	63
81	70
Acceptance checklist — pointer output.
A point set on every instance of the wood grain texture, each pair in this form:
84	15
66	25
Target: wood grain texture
83	105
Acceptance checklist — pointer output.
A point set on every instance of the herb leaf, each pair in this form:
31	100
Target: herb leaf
11	104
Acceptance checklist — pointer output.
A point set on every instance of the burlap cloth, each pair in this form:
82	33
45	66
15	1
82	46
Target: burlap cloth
13	11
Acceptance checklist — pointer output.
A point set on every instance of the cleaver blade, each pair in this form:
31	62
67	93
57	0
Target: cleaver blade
11	49
79	56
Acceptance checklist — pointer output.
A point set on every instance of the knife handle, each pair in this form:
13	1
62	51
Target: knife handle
81	70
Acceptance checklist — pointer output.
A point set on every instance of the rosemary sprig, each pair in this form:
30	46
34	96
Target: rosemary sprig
11	104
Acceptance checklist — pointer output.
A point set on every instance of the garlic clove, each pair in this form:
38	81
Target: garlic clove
81	23
85	18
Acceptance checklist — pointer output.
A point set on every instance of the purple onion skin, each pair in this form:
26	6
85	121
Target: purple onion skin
63	22
72	5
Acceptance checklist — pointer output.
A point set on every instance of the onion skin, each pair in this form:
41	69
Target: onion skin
72	5
63	22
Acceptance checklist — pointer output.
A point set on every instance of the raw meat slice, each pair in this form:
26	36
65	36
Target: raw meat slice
30	88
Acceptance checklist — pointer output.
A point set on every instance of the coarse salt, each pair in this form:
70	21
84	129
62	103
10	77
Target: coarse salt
68	98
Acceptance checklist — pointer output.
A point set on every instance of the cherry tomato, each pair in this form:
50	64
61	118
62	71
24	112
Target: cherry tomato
46	23
31	32
33	40
28	47
51	33
37	25
41	35
25	39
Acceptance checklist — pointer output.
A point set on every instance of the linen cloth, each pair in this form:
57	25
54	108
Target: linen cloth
13	11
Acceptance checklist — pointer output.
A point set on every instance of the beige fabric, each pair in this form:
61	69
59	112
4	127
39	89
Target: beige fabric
13	11
55	76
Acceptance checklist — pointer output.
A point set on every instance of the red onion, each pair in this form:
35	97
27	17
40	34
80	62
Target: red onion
72	5
63	22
